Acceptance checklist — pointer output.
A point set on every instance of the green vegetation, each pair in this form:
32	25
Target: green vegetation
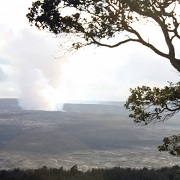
115	173
154	105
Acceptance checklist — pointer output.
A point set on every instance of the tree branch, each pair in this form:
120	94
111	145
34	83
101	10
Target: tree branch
114	45
142	41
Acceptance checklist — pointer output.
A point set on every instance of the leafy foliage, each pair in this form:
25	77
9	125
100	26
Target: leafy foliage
95	20
153	104
171	144
156	104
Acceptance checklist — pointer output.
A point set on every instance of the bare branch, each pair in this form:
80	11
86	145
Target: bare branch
114	45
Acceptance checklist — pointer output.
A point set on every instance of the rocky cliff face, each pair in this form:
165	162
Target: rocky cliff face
95	108
9	104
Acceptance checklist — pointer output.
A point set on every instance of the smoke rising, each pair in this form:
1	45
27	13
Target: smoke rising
36	71
36	92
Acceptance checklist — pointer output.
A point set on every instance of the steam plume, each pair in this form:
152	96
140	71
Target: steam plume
36	71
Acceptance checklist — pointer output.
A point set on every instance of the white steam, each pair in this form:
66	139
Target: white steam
36	71
36	92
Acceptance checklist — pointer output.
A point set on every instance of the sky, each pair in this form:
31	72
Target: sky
36	69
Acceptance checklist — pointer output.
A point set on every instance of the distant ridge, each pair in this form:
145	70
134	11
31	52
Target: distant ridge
9	104
117	103
95	108
90	107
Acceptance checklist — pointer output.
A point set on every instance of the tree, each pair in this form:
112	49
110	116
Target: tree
154	105
99	21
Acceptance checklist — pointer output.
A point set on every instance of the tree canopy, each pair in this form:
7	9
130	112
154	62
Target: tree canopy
154	105
99	21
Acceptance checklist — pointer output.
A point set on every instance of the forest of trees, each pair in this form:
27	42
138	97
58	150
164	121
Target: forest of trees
115	173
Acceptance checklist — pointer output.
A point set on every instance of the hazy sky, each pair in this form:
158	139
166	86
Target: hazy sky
34	69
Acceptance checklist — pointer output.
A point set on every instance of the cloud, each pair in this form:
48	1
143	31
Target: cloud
108	74
2	75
